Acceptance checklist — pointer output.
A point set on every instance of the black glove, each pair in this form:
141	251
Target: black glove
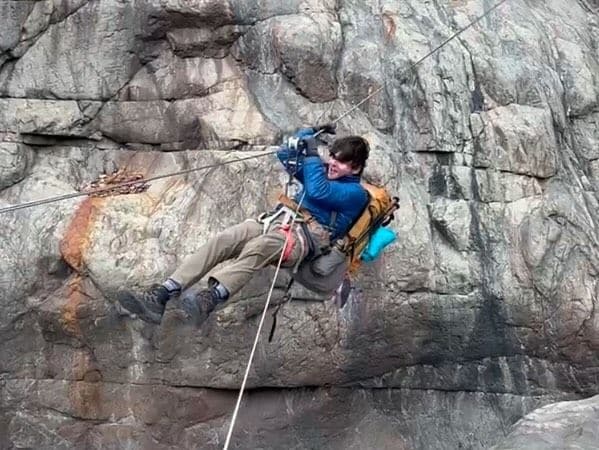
328	128
312	142
307	140
309	146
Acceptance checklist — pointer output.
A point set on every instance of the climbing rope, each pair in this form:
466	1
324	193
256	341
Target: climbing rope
433	51
260	325
127	183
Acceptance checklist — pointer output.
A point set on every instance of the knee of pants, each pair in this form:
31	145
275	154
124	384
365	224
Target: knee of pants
264	244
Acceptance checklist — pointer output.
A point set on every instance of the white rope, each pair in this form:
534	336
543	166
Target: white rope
262	318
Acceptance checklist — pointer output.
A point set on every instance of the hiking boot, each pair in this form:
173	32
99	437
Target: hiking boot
147	305
198	306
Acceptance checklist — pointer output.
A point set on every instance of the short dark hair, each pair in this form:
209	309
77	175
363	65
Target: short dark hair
351	149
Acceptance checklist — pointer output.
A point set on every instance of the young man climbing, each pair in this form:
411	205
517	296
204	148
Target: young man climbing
330	200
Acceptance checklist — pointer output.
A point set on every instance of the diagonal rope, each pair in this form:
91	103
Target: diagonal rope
126	183
262	318
260	325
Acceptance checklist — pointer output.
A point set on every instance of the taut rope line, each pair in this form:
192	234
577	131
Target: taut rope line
126	183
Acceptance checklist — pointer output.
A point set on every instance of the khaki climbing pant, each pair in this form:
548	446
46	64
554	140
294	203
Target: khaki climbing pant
248	246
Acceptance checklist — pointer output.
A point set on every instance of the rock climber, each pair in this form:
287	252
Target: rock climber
330	200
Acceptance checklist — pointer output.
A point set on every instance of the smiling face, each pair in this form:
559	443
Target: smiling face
338	169
347	156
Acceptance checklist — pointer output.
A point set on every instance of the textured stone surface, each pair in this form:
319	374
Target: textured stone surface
303	48
15	159
564	425
483	311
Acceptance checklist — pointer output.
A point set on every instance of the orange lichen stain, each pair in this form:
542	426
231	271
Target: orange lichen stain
85	385
86	388
70	309
73	245
77	237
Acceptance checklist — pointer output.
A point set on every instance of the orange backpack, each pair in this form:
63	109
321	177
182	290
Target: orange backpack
324	273
378	212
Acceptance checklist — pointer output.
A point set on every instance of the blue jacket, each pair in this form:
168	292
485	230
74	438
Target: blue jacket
322	196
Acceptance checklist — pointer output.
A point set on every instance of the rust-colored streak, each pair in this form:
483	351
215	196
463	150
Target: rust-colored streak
85	389
77	237
72	248
69	310
86	398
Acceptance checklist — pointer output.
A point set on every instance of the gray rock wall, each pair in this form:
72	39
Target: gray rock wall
483	311
573	424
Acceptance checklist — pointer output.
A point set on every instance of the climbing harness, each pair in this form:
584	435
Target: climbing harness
289	223
325	269
267	219
289	242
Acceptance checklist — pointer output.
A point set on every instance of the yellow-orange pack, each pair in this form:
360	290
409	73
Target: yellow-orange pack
378	212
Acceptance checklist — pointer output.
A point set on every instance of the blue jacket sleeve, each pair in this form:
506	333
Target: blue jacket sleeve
326	192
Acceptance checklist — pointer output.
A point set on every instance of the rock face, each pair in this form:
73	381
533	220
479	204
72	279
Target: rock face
483	311
562	425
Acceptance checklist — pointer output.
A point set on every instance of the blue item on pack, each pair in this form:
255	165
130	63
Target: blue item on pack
381	238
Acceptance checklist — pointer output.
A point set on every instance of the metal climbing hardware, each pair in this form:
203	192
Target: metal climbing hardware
295	143
285	219
300	140
282	214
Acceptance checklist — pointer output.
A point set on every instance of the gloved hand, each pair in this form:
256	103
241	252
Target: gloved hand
312	142
328	128
306	141
309	146
310	139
